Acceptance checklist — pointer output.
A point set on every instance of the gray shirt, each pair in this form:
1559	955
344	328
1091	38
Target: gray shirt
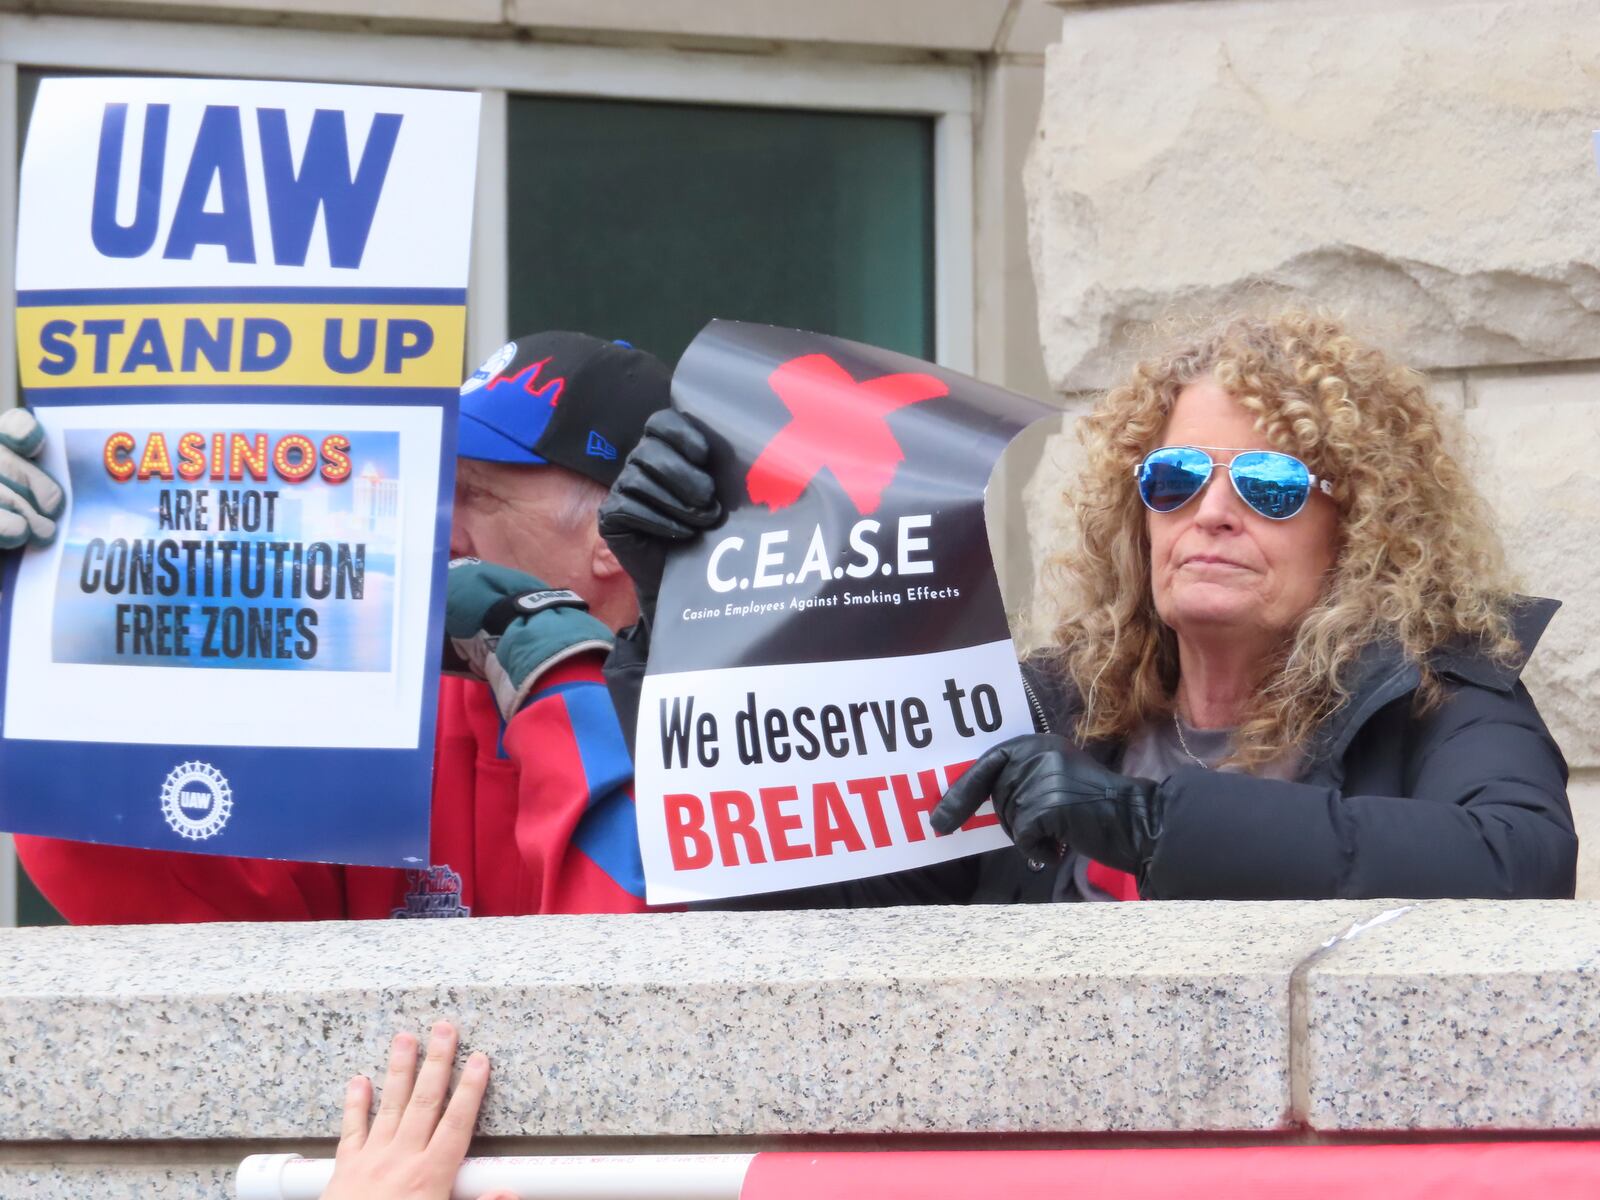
1155	752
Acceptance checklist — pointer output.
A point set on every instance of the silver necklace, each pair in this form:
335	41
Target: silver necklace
1178	726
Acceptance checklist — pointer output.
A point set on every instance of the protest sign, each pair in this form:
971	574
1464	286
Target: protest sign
826	662
240	320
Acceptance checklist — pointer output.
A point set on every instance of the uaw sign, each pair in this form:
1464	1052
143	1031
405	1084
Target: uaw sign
830	659
240	314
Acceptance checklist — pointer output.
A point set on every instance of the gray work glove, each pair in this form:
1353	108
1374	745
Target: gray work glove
508	628
29	499
663	495
1048	794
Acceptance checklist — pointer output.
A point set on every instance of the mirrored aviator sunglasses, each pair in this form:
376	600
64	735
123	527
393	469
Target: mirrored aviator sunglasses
1275	485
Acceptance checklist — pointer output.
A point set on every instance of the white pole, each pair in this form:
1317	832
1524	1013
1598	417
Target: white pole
489	295
583	1177
8	881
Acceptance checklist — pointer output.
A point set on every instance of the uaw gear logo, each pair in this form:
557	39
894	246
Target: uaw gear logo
196	800
435	892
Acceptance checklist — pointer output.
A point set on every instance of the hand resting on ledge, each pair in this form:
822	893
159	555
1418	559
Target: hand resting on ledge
415	1144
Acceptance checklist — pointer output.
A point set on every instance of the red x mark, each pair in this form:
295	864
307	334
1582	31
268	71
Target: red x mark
838	424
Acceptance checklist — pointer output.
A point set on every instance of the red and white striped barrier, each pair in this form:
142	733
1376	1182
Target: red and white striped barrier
1435	1171
580	1177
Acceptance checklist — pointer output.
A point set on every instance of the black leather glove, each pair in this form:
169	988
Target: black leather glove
1048	793
663	495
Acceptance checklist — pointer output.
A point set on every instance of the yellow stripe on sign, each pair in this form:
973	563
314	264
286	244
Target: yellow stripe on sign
323	345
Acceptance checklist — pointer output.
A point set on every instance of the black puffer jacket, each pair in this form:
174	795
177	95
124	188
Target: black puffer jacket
1468	799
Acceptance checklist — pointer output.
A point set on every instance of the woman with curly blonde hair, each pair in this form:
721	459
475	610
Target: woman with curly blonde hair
1288	656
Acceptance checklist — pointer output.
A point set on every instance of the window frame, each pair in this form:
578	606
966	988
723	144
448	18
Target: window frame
495	69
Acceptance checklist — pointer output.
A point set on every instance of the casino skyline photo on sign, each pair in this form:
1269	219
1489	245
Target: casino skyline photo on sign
231	563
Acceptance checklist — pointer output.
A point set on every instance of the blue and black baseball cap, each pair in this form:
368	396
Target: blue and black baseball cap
560	398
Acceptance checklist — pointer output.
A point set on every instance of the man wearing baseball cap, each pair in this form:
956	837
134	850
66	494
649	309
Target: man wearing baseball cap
532	793
575	406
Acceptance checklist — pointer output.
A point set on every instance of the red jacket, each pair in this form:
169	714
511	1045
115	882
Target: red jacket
531	817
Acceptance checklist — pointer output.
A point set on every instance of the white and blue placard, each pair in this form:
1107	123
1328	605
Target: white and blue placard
240	319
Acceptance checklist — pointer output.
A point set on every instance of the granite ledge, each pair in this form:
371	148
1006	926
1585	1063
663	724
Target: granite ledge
1075	1019
1457	1016
1119	1018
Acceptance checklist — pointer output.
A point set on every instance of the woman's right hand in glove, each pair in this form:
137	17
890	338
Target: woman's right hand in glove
664	495
1049	794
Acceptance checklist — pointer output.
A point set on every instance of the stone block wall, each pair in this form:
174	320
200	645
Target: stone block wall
891	1021
148	1061
1424	167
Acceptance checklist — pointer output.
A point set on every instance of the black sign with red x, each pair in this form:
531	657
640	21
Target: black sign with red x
854	481
832	656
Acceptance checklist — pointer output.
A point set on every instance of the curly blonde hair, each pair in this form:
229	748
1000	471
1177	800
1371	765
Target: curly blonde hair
1418	561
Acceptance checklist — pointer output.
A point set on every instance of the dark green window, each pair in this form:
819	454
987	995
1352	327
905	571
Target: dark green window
643	221
32	908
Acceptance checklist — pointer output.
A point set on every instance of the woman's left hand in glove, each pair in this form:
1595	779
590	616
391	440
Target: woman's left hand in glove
1048	793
